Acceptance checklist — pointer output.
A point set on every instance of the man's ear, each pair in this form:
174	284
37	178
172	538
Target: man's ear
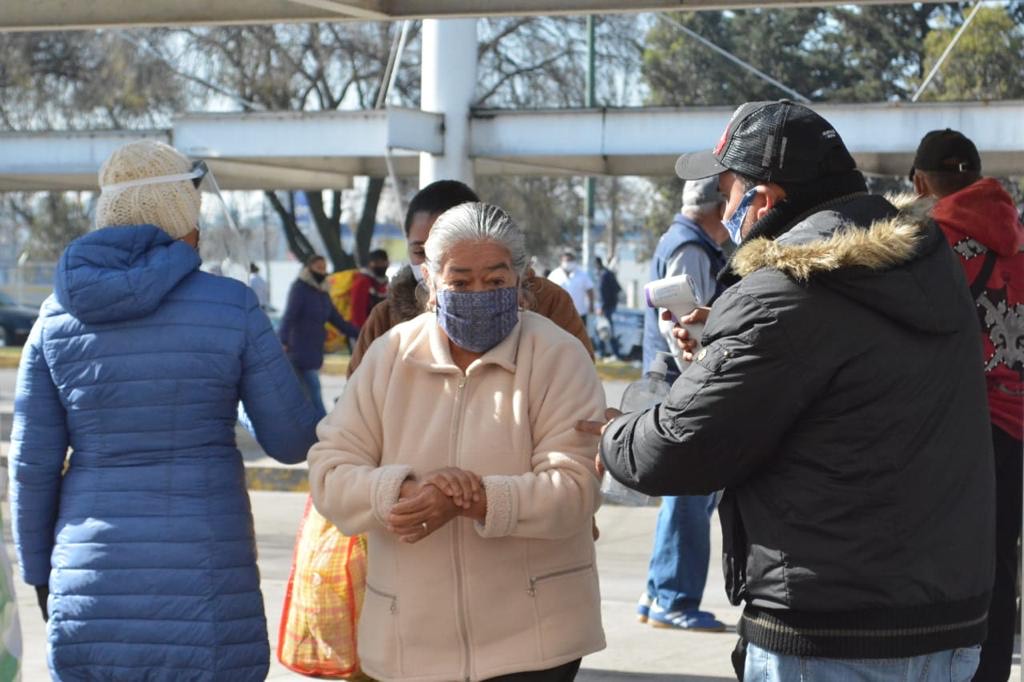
771	195
921	185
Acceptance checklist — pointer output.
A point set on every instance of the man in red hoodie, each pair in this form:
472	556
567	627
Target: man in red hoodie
980	220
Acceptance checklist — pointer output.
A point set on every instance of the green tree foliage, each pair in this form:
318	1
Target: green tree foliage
986	64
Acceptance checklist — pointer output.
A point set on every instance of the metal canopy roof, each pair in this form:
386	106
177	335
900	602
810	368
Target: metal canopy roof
39	15
313	150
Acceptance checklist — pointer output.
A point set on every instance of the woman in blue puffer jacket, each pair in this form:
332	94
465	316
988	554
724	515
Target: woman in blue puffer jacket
144	535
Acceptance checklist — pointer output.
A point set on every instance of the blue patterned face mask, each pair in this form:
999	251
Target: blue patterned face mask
735	222
478	321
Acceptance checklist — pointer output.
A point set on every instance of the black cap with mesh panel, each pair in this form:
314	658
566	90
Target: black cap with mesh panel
781	142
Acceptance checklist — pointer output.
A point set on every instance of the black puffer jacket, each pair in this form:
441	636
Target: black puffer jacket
839	402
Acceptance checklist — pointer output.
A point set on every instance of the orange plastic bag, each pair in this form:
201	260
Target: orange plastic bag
323	600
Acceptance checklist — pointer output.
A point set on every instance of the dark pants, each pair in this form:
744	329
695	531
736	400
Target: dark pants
997	651
563	673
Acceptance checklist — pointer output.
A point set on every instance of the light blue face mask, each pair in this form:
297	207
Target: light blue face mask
734	224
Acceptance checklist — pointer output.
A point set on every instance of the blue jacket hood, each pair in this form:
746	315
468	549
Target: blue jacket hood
121	273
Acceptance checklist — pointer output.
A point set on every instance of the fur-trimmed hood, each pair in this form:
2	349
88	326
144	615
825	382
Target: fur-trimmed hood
897	265
306	277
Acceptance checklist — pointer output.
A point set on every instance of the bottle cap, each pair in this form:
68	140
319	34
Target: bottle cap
659	365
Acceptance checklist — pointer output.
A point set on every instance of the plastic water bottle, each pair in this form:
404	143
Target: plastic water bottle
642	394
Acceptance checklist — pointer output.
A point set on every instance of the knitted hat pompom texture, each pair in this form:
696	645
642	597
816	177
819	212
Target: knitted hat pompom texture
171	206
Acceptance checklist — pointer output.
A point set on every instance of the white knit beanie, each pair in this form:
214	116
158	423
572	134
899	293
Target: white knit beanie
171	206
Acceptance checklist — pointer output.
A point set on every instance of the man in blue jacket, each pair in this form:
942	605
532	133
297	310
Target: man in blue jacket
141	544
682	540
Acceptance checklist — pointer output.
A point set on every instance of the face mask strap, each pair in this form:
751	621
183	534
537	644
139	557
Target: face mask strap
193	175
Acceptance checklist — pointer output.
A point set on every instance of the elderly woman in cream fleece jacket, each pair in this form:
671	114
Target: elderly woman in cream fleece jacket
454	450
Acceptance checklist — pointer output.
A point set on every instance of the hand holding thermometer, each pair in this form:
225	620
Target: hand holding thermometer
675	294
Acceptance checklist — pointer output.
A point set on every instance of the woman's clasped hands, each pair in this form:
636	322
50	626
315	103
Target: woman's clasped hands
428	504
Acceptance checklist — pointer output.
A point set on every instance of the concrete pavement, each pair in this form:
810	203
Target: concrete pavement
635	652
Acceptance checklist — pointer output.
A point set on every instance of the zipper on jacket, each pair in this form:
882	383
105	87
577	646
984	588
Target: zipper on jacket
532	591
384	595
456	439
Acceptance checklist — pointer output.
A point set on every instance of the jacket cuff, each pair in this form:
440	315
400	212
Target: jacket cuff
502	508
385	486
35	570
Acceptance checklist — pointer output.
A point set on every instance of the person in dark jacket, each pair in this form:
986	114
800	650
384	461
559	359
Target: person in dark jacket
980	222
608	289
142	539
302	330
834	402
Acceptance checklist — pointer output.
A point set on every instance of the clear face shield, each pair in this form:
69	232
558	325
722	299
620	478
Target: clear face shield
222	246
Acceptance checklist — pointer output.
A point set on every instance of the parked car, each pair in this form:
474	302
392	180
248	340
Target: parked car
15	321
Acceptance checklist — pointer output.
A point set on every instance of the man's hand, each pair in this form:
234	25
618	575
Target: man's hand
681	335
464	487
597	429
425	511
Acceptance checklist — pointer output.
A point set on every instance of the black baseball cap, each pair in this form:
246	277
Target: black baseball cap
772	142
946	151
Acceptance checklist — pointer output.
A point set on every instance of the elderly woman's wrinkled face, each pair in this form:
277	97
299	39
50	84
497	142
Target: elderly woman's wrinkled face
477	266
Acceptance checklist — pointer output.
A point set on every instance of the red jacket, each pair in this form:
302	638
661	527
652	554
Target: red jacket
367	291
978	219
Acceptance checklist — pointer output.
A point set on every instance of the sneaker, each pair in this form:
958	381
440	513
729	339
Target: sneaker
643	607
696	621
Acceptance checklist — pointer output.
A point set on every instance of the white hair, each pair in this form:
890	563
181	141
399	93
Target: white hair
475	222
695	213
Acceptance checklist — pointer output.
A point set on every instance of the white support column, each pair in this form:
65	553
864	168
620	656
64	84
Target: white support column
448	86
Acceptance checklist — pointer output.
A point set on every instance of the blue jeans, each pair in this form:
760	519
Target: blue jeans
310	379
682	549
954	665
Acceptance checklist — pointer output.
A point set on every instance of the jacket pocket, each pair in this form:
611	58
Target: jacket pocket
379	644
568	604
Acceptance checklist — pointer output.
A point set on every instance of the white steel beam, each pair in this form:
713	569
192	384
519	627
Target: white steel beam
306	151
49	15
61	160
346	9
313	134
882	137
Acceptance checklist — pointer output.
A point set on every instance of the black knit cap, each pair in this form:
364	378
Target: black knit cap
946	151
781	142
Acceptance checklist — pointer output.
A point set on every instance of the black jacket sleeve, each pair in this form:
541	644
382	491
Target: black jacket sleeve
725	416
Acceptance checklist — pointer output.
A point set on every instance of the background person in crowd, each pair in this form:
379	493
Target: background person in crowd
834	402
609	289
980	221
259	287
302	331
456	524
576	282
678	570
145	543
403	303
370	286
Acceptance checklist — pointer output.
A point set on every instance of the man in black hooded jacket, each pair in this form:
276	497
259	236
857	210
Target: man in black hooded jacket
838	401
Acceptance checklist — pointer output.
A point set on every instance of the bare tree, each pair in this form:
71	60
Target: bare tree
311	67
